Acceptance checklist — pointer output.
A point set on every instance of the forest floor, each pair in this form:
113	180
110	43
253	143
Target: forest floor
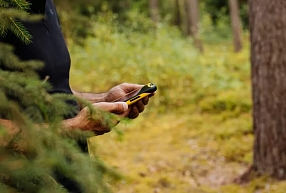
178	153
182	153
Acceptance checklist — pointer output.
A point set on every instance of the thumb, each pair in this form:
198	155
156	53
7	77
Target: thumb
116	108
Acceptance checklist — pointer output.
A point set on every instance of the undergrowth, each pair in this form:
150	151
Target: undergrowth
196	134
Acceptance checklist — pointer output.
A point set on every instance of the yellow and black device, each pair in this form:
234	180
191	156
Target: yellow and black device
136	95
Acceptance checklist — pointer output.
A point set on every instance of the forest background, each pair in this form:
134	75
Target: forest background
196	133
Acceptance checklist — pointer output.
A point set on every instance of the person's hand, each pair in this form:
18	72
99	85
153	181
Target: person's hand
122	90
86	122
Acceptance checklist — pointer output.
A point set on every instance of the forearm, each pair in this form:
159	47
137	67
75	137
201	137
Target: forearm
10	129
80	122
92	97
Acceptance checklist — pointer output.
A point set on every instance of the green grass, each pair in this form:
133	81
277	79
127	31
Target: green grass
196	133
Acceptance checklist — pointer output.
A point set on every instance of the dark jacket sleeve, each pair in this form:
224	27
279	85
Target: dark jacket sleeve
37	6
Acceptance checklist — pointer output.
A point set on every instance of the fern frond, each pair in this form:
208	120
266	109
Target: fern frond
20	31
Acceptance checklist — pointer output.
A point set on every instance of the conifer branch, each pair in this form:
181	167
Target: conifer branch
11	13
20	31
3	31
43	144
20	4
4	4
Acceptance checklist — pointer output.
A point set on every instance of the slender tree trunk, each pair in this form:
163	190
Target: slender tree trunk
154	10
193	22
177	13
236	24
188	20
268	60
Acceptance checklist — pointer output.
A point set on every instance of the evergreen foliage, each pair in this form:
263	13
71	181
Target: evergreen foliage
29	161
11	11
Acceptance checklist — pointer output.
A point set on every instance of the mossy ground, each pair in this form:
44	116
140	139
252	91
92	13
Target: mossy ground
182	153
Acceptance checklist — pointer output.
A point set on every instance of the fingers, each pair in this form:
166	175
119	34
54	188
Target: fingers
134	113
119	108
127	87
138	108
145	100
120	91
116	108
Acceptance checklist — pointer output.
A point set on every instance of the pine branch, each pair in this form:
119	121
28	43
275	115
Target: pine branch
20	31
4	4
39	148
16	13
10	21
21	4
3	31
11	62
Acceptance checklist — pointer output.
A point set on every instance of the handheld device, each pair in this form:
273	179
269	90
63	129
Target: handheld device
136	95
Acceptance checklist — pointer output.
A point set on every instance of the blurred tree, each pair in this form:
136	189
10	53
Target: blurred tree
193	22
236	24
218	8
268	61
154	10
177	14
76	15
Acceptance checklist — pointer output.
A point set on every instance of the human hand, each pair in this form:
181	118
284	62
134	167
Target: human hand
85	121
122	90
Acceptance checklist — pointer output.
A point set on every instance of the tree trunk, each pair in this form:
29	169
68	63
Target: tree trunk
235	24
188	16
154	10
193	22
177	14
268	61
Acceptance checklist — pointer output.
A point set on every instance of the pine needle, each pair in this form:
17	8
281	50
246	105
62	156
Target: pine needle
20	31
20	4
3	31
4	4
